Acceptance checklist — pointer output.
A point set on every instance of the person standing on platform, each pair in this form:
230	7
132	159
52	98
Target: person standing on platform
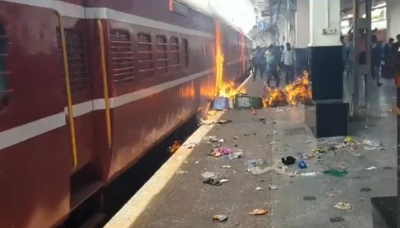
272	65
288	60
389	56
376	59
350	56
344	53
259	63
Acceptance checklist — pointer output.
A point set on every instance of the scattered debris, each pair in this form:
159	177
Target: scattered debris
223	181
272	187
336	219
220	218
349	139
302	165
211	138
256	162
371	143
253	166
304	156
258	212
206	122
308	174
235	155
224	121
215	181
221	151
253	111
207	174
343	206
181	171
190	145
335	172
309	198
365	190
289	160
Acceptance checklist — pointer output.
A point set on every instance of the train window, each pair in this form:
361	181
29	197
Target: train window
4	85
175	58
145	55
185	53
121	53
77	60
162	54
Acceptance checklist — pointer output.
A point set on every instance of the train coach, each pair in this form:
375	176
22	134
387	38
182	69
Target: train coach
88	87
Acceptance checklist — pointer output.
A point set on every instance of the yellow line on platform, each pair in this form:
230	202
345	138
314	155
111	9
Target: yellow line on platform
131	211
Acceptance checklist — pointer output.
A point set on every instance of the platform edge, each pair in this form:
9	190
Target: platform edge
130	212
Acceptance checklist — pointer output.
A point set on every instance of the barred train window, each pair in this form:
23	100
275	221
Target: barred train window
122	58
175	58
145	55
4	85
162	54
185	53
77	60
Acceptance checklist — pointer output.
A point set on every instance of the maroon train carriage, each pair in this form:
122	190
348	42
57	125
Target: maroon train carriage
87	89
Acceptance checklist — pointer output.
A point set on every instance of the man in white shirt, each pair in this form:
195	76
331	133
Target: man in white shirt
288	59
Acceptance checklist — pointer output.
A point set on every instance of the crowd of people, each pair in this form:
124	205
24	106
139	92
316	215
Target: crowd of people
272	61
384	56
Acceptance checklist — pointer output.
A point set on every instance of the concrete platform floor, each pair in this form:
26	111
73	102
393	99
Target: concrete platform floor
177	198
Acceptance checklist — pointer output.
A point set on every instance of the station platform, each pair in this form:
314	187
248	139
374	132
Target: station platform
176	197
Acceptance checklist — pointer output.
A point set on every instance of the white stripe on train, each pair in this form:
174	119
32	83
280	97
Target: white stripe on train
72	10
24	132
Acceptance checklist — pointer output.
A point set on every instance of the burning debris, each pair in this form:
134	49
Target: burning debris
228	90
175	146
293	94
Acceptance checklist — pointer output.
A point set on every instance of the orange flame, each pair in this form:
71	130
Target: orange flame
174	147
295	93
219	57
224	88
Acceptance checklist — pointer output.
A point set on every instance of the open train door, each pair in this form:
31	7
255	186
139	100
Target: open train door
73	41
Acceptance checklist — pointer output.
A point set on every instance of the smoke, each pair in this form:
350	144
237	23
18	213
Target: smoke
239	13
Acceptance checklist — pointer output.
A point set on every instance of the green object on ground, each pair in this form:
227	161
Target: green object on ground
335	172
244	101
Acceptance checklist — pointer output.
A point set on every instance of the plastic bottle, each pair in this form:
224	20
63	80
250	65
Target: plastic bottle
256	162
371	143
253	166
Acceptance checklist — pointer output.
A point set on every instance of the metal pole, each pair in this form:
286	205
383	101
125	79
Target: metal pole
355	73
368	82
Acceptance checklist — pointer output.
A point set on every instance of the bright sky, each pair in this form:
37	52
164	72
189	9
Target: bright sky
237	12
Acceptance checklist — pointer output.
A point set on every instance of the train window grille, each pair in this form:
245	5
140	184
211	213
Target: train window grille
175	50
185	53
4	73
121	56
145	55
77	60
162	54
